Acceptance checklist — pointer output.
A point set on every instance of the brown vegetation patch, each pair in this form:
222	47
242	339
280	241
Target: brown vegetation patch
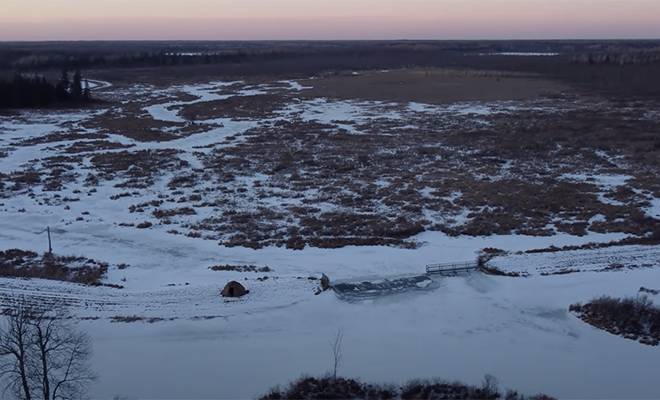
164	213
95	145
508	174
28	264
60	137
138	167
133	123
432	86
252	106
635	318
241	268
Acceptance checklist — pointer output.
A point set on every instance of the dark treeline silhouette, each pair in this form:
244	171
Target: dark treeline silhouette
620	68
36	91
41	55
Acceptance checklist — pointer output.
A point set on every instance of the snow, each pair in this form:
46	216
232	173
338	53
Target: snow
97	85
654	209
466	108
168	111
517	329
473	319
296	86
456	327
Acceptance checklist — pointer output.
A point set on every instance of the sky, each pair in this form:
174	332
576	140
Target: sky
327	19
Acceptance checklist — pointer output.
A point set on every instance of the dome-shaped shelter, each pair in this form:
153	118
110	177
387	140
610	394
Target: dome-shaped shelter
234	289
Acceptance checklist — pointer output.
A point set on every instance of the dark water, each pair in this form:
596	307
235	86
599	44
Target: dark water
355	291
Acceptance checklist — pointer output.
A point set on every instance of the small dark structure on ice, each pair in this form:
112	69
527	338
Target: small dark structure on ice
234	289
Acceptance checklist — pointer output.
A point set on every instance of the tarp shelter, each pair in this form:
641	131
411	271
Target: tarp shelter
233	289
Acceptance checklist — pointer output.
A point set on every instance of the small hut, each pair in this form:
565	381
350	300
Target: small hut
234	289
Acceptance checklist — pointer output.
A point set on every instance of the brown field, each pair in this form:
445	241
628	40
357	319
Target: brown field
432	86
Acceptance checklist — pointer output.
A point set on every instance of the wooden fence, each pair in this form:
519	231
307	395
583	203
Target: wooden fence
453	267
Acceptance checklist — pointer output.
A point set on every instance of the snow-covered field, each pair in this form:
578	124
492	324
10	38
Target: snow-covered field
201	345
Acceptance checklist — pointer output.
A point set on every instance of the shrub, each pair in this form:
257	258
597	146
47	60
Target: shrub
564	271
28	264
635	318
651	291
241	268
127	319
327	387
496	271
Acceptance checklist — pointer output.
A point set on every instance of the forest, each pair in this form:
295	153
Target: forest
36	91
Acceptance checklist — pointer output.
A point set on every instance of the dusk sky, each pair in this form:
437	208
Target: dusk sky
327	19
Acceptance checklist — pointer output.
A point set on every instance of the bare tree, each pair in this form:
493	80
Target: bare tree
15	346
336	350
55	361
490	387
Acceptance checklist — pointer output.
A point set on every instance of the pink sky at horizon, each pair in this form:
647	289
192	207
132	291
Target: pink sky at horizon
327	19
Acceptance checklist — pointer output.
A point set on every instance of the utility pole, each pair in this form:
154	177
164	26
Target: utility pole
50	249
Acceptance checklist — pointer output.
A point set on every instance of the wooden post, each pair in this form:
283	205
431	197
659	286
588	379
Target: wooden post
50	249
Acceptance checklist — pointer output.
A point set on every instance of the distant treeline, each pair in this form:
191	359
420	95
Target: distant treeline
619	68
87	55
36	91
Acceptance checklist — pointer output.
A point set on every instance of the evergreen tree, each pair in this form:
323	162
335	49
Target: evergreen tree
76	87
64	80
36	91
86	94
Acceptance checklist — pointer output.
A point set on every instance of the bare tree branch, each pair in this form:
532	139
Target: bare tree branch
336	350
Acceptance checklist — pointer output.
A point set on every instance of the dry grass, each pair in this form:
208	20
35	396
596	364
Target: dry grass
303	156
60	137
431	86
236	107
137	168
95	145
132	122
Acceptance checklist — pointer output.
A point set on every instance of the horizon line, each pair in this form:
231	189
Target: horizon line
341	40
